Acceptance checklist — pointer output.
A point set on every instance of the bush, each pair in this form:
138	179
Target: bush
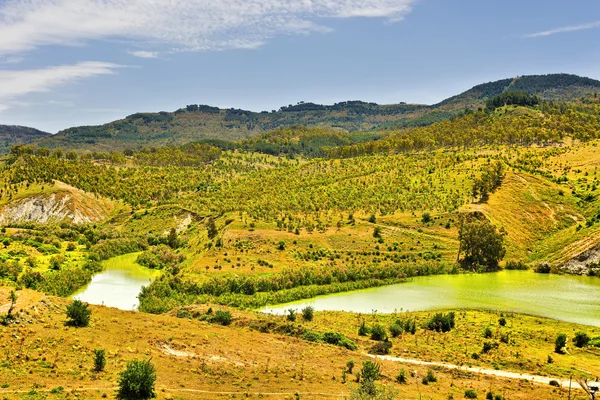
57	261
370	371
311	336
350	366
378	333
514	264
78	314
338	339
470	394
441	322
560	343
543	268
401	377
291	315
381	348
308	313
99	360
137	381
487	347
363	329
221	317
429	378
396	329
581	339
502	321
487	333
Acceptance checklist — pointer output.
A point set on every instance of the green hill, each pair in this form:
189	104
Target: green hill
11	135
200	122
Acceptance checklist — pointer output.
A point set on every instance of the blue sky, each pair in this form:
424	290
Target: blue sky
77	62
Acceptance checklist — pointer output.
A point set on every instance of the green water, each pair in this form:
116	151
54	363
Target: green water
567	298
119	284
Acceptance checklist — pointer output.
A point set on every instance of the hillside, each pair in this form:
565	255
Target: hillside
198	122
263	356
558	87
11	135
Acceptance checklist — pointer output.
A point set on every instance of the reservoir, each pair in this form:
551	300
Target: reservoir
563	297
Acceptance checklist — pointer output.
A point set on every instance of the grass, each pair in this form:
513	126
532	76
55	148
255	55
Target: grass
193	355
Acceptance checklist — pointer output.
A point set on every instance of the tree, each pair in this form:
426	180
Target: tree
78	314
581	339
211	228
172	239
481	243
308	313
137	381
560	343
99	360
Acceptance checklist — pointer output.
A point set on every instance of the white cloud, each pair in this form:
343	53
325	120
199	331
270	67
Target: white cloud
189	25
15	84
144	54
565	29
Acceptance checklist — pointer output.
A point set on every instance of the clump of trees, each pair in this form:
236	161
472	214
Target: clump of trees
480	243
441	322
490	180
518	98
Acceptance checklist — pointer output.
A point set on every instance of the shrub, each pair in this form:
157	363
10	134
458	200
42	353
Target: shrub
57	261
378	333
514	264
308	313
381	348
221	317
363	329
396	329
71	246
311	336
487	347
581	339
99	360
338	339
543	268
137	381
429	378
560	343
426	218
291	315
487	333
78	314
350	366
371	371
441	322
470	394
401	377
502	321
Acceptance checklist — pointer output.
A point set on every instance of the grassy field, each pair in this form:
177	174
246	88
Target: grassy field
40	358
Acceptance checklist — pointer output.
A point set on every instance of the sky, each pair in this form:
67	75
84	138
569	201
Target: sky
66	63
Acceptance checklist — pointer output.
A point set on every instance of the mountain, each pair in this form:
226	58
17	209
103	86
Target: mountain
558	87
11	135
198	122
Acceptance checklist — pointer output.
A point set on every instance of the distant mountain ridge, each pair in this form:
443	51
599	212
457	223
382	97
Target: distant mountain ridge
198	122
11	135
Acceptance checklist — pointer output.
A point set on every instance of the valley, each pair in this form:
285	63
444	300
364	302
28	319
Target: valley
259	262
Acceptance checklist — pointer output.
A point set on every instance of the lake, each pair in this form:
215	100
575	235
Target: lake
568	298
119	284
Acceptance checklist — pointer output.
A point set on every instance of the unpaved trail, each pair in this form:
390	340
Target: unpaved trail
484	371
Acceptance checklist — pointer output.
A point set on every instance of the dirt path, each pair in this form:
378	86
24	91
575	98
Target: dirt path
499	373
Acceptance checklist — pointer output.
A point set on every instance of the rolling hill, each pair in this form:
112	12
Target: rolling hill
198	122
11	135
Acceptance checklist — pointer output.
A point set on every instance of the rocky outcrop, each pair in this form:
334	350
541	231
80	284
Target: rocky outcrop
53	208
580	265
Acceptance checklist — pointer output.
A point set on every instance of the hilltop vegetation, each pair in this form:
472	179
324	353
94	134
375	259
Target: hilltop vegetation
11	135
195	122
